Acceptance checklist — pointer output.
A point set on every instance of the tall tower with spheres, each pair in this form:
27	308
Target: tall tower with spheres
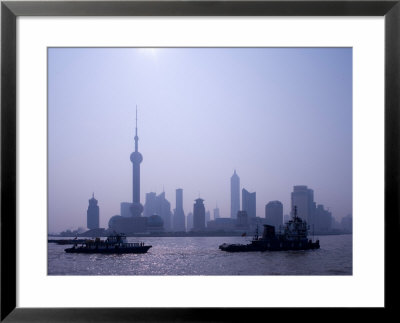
136	159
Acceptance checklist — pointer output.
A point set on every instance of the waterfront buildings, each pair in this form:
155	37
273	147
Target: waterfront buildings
242	220
93	214
347	223
274	213
189	221
249	203
216	213
199	215
303	198
126	209
222	224
323	220
179	214
155	224
150	205
235	195
208	216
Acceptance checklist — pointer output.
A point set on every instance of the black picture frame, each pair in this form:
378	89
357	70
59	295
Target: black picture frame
10	10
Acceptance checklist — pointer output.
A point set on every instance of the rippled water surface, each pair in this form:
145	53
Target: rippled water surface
201	256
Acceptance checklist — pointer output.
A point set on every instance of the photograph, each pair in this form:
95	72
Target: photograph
200	161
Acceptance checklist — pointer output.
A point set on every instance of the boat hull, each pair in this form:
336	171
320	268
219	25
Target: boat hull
269	246
138	249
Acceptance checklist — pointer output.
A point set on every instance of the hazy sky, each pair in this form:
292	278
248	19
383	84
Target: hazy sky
279	116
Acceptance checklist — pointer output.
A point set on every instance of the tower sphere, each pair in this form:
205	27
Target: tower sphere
136	157
136	209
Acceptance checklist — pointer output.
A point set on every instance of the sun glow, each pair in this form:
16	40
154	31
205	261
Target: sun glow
149	51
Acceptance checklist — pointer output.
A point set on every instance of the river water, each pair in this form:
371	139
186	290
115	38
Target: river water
201	256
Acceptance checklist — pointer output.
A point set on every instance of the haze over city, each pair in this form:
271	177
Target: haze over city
280	117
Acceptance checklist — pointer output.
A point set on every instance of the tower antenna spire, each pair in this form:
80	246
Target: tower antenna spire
136	136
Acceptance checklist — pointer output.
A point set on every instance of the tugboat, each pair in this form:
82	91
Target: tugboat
293	237
113	244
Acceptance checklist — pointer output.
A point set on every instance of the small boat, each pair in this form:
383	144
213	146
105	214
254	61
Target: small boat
113	244
293	237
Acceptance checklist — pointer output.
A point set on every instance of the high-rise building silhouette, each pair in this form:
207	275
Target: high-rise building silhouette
207	216
249	203
163	209
126	209
189	221
216	213
199	215
136	159
150	205
235	195
303	198
93	214
179	214
347	223
322	220
274	213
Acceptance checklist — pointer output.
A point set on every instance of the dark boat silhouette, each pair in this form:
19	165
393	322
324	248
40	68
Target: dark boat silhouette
293	237
113	244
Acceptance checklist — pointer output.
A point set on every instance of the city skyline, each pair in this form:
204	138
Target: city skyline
190	138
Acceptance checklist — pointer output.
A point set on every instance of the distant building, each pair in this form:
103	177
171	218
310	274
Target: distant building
235	195
322	220
208	216
189	221
286	218
133	224
242	220
222	224
179	215
249	203
155	224
256	224
347	224
274	213
158	204
150	205
199	215
126	209
216	213
93	214
303	198
164	210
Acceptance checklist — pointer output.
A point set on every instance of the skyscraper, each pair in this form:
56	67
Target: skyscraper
199	215
158	205
249	203
163	209
150	204
189	221
136	159
179	215
274	213
235	195
207	217
322	219
93	214
216	213
303	198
